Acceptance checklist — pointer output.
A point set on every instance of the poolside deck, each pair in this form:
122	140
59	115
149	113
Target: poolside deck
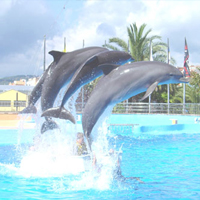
13	121
134	124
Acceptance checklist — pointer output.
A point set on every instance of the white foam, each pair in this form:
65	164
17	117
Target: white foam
51	155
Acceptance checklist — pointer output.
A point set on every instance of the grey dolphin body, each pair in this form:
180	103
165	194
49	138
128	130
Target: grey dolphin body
36	93
107	61
125	82
56	76
60	75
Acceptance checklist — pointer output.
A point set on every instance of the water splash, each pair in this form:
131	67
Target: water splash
50	155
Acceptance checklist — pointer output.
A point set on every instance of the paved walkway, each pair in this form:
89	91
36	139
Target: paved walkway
14	121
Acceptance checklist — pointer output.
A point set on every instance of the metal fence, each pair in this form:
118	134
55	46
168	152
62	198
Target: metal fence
151	108
125	107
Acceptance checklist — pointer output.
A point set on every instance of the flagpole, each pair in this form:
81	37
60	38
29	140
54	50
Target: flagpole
184	83
184	75
183	98
151	59
186	71
65	50
127	107
82	89
168	91
44	67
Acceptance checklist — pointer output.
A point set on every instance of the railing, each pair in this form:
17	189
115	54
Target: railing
151	108
125	107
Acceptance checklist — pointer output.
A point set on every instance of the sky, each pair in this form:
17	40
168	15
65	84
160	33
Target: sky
24	24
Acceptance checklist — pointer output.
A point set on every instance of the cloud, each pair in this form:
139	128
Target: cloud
23	26
106	30
5	6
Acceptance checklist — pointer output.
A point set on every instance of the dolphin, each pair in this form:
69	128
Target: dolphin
58	74
36	93
123	83
107	60
47	75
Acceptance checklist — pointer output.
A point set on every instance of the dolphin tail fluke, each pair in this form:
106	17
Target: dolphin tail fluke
60	113
29	109
48	125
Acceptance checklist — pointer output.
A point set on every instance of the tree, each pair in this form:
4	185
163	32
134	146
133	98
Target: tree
139	47
138	41
192	91
195	79
138	44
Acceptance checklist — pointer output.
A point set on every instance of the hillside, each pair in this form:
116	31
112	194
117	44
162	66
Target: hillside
7	80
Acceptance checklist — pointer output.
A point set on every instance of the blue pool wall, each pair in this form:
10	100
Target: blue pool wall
149	119
152	119
122	124
158	124
135	124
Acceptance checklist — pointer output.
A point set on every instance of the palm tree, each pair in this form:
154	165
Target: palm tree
138	41
192	95
139	47
139	44
192	90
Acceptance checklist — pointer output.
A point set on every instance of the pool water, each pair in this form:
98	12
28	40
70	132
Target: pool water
167	165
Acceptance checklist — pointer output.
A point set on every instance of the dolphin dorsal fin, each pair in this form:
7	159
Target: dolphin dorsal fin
150	90
56	55
107	68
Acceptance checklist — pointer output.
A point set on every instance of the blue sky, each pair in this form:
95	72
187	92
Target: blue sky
23	25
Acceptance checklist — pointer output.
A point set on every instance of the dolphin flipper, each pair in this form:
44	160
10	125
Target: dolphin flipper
150	90
48	125
59	112
29	109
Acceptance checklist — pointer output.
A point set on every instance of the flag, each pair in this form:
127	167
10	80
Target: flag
168	54
150	56
186	61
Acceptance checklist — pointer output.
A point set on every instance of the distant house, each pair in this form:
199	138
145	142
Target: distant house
23	82
32	81
12	101
193	68
20	82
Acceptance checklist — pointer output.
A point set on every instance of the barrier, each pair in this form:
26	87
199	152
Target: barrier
151	108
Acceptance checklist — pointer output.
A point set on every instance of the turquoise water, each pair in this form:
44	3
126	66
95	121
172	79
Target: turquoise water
167	164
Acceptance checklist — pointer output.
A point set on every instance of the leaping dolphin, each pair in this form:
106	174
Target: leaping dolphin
58	74
107	60
61	75
125	82
36	92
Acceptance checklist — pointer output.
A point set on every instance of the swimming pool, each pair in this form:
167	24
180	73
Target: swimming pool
167	163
